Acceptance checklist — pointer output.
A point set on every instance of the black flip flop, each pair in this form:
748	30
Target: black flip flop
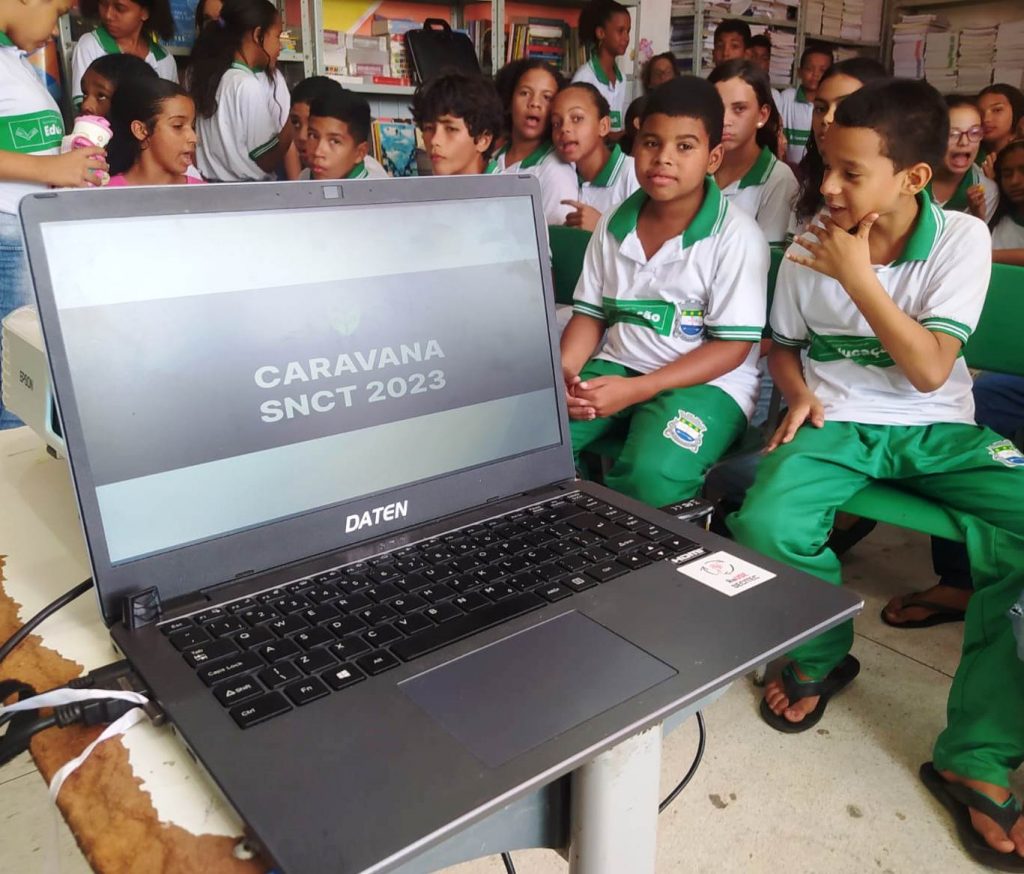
941	614
957	799
838	679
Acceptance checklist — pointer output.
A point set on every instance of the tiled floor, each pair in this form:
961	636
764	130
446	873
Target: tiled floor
842	799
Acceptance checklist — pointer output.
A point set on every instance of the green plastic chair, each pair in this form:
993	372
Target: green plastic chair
994	346
568	246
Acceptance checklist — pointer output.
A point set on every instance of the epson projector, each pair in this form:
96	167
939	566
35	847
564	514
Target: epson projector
26	377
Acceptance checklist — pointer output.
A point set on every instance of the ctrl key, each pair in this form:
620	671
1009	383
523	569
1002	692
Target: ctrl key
260	709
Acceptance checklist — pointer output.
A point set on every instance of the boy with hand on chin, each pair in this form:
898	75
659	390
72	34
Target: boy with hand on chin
678	279
882	297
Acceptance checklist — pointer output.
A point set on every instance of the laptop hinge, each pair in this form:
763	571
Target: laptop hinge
141	608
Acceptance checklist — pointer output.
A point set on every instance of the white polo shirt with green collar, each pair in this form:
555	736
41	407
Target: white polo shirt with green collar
610	187
796	111
365	170
1008	233
708	284
98	43
940	281
242	129
766	192
958	201
30	120
557	178
615	90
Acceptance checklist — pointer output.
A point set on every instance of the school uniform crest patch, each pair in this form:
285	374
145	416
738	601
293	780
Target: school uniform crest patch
686	430
690	320
1005	452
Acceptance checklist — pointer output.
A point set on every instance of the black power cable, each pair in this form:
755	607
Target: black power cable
47	611
697	759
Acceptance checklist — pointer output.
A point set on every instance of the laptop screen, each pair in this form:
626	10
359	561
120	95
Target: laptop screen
234	369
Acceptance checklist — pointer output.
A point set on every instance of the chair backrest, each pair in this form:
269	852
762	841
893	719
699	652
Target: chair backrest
568	246
996	344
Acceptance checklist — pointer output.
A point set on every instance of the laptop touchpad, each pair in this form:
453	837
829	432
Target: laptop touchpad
507	698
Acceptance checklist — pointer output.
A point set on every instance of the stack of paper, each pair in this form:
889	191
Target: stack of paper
940	60
853	18
871	23
775	9
681	38
832	18
683	7
1009	60
812	19
783	56
908	43
976	58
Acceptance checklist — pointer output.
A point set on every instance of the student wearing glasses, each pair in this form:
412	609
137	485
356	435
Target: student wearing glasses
958	184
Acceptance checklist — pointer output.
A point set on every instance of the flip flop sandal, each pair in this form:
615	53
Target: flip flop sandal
838	679
957	799
941	614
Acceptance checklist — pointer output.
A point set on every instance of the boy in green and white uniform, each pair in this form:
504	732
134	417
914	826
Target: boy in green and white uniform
868	359
796	106
678	279
31	129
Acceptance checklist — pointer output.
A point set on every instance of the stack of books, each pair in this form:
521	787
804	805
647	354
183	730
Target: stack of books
1009	60
976	58
783	56
357	60
813	16
832	18
871	21
909	36
680	41
940	60
545	39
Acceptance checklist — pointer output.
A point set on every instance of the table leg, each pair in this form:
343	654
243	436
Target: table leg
614	808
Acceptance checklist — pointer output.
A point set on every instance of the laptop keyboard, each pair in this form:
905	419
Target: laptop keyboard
283	648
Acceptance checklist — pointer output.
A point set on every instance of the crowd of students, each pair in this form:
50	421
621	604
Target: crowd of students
896	202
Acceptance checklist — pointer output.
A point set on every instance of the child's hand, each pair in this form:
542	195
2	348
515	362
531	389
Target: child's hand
988	166
609	394
806	408
976	201
578	408
79	168
585	217
836	253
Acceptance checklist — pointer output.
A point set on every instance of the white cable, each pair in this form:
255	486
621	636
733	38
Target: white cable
120	726
68	696
59	697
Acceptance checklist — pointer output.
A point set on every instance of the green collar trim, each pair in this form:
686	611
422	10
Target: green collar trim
706	223
5	40
241	65
930	221
110	46
958	200
537	155
492	167
358	172
762	169
609	171
531	160
981	156
1017	219
801	95
595	65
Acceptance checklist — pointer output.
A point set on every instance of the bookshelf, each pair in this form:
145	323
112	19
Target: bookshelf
797	29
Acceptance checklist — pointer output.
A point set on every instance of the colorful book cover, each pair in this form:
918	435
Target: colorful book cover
396	146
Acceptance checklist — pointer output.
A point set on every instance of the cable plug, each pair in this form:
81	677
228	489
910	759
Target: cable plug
95	711
107	677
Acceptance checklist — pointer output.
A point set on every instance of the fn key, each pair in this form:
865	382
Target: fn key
259	709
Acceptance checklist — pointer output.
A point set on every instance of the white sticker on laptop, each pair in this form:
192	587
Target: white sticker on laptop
725	573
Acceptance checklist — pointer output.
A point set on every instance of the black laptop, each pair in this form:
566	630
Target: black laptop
320	448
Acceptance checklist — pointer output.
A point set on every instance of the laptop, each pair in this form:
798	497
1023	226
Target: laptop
322	458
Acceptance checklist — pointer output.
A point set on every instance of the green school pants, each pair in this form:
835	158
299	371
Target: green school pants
669	442
972	471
